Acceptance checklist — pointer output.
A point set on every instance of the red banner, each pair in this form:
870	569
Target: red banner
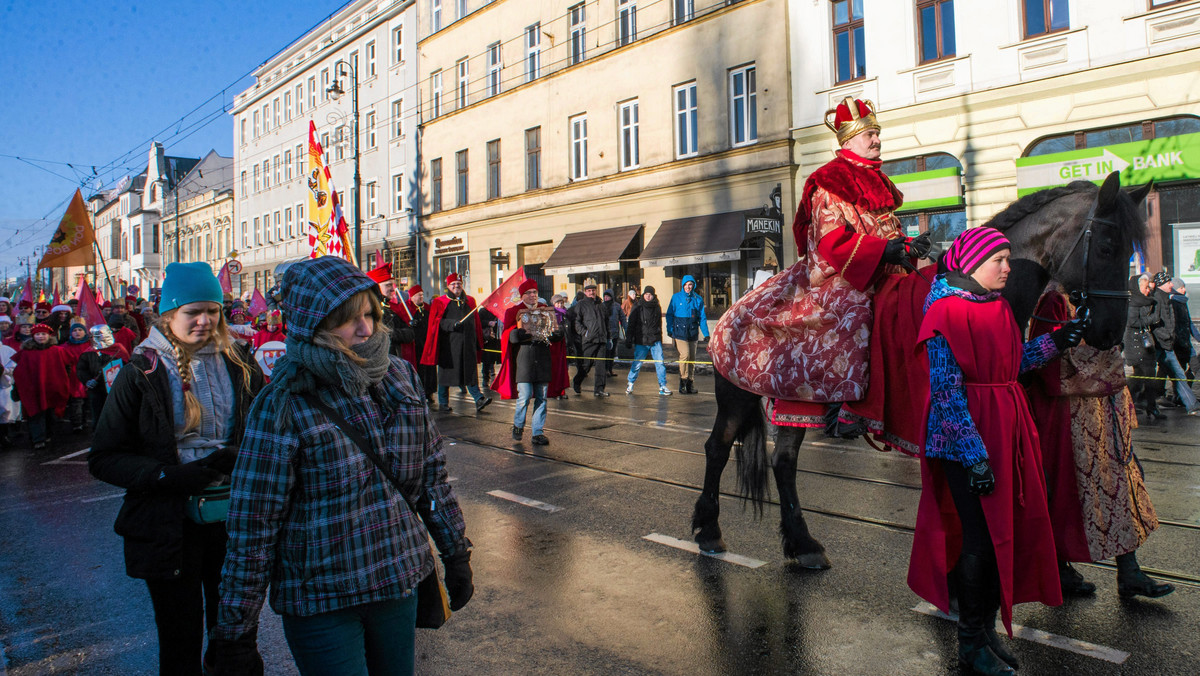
506	296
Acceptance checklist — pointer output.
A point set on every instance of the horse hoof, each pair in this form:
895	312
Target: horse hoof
716	546
814	561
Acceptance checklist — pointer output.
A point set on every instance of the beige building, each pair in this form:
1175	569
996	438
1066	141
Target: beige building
201	227
628	141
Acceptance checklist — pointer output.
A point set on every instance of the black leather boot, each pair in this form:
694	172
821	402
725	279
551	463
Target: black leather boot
1072	581
691	385
997	644
1131	581
682	385
975	590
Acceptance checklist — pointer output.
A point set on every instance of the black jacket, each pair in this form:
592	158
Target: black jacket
135	438
1183	325
645	323
91	367
1164	328
534	360
402	333
589	322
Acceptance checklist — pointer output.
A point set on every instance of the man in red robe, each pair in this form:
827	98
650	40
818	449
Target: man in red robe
454	343
527	365
396	314
803	337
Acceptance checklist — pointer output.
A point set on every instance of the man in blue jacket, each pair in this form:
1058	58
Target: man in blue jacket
686	323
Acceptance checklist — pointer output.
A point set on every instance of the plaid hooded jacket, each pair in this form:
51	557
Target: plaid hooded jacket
310	514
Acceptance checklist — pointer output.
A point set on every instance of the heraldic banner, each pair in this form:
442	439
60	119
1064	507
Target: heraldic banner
327	230
506	296
72	243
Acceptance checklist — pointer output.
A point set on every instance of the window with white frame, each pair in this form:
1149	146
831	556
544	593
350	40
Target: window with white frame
398	118
287	106
533	52
435	96
301	224
242	126
493	169
460	91
278	227
743	106
244	190
684	10
370	131
398	193
398	44
462	8
579	147
245	236
370	50
257	231
312	92
288	226
275	113
353	66
299	100
324	85
628	121
301	158
277	171
266	117
257	179
435	15
686	134
266	165
287	164
460	182
626	22
255	116
578	33
372	200
325	147
494	69
339	145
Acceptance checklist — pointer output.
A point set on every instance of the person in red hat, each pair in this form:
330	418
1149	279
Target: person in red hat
41	383
454	343
527	366
396	315
41	311
850	244
271	331
135	319
419	310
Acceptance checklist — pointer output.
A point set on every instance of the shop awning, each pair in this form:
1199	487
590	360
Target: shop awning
697	239
592	251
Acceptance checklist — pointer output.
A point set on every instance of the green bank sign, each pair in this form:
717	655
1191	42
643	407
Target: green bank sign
933	189
1162	159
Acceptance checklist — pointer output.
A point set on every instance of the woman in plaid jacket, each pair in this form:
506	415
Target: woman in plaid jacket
311	515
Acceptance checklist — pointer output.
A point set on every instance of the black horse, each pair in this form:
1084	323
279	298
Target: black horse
1079	235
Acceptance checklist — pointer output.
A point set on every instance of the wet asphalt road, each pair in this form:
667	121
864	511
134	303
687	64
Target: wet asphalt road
573	586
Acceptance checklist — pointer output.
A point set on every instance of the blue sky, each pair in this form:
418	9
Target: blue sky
92	83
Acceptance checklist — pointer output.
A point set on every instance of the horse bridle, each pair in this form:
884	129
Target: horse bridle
1080	297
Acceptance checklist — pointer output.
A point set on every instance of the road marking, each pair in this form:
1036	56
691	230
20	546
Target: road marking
521	500
1044	637
66	459
694	548
103	497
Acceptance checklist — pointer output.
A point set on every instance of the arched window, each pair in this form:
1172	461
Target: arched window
933	194
1108	136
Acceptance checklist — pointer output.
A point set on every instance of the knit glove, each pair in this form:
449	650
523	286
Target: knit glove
233	658
980	479
458	578
1070	334
189	478
221	460
895	252
91	384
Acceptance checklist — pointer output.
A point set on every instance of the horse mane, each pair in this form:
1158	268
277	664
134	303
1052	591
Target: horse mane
1133	226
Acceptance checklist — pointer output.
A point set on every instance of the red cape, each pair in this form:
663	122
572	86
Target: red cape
436	310
41	380
866	189
125	338
505	383
266	336
73	352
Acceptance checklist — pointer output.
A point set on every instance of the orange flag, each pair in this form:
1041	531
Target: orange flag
72	242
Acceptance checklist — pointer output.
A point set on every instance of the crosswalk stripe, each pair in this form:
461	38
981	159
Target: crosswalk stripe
694	548
521	500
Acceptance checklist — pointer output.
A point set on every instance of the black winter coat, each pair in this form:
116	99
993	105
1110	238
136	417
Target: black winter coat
1143	313
534	361
645	324
402	333
135	438
589	322
1164	328
1183	326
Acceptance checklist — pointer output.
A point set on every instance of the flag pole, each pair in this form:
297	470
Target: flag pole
104	267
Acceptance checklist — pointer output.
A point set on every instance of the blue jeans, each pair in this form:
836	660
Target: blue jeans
374	639
444	394
1183	389
524	392
655	352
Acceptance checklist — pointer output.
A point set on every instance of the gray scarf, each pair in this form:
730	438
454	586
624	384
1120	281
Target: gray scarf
330	367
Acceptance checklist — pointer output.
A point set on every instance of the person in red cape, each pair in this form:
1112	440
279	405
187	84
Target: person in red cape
8	332
78	341
89	369
41	383
982	515
419	309
849	241
527	366
138	320
454	343
396	314
1099	505
272	330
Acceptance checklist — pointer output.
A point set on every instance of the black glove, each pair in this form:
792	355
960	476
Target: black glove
1070	334
895	253
190	478
920	246
458	578
980	479
232	658
221	460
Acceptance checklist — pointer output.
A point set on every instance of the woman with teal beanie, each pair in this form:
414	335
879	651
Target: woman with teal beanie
169	433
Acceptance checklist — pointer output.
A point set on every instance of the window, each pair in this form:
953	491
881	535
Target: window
275	111
628	120
244	192
256	127
579	143
245	236
278	227
324	85
137	238
257	231
301	158
154	239
684	10
370	59
353	59
936	18
493	169
460	180
462	8
849	50
533	158
533	52
460	92
266	117
257	185
370	131
398	44
118	238
277	170
578	34
287	164
1095	138
266	165
299	100
242	125
372	200
1045	16
743	106
339	144
626	22
435	85
301	224
1155	4
325	147
312	92
398	193
398	118
685	121
287	222
435	185
287	106
494	69
435	15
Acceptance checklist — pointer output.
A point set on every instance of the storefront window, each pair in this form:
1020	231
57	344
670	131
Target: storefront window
459	264
714	283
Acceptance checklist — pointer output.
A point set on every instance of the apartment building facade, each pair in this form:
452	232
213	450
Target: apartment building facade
197	216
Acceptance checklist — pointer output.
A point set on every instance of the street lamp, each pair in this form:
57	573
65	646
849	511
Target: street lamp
336	91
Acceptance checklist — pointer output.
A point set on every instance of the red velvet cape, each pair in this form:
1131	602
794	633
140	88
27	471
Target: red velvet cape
41	378
436	310
987	346
866	189
505	382
73	351
264	336
125	338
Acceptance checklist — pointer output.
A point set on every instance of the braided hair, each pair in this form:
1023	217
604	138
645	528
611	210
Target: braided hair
192	410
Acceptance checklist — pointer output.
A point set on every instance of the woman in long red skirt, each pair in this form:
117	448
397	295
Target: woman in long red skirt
982	516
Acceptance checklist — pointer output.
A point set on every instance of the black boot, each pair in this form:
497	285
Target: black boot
691	385
997	645
1072	581
975	591
1131	581
682	385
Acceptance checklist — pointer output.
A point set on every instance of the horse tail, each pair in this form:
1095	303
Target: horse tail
750	437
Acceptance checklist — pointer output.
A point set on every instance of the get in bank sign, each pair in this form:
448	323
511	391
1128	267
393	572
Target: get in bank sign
1162	159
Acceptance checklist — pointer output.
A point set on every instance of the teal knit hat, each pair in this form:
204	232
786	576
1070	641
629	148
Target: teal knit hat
189	283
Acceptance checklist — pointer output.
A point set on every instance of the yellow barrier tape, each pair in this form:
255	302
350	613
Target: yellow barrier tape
644	361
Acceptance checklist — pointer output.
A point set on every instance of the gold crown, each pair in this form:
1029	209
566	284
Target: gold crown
856	124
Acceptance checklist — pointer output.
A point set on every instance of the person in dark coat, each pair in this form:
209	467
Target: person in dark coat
644	337
616	327
419	310
527	366
491	343
1140	350
1185	328
589	323
454	344
395	313
90	367
1170	367
169	431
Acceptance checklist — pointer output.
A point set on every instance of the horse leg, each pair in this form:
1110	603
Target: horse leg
705	529
797	542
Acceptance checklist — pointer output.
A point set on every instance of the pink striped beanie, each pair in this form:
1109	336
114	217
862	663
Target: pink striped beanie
973	247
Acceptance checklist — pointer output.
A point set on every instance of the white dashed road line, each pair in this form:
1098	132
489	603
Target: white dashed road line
521	500
104	497
66	459
694	548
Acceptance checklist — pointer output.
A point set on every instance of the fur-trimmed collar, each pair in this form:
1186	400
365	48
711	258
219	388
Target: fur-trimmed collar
850	178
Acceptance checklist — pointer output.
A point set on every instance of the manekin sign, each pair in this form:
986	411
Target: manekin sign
1172	158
